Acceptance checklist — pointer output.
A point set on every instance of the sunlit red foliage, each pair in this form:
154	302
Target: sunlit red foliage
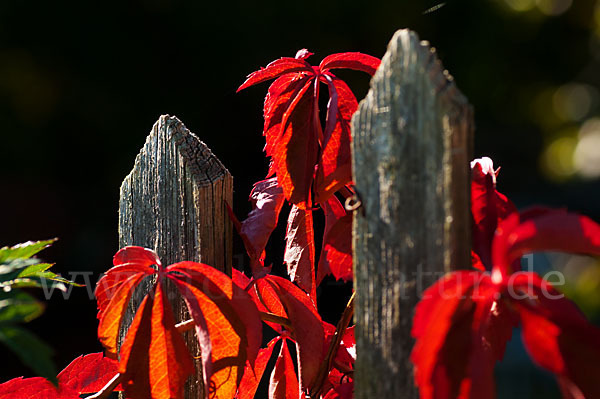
464	321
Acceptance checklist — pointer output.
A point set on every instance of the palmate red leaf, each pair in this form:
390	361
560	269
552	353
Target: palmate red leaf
488	208
558	337
299	253
336	254
293	130
351	60
253	375
284	383
154	360
335	165
307	328
85	374
275	69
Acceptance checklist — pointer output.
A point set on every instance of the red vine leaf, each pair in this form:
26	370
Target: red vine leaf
351	60
488	208
252	376
300	250
336	254
307	328
464	320
154	360
294	136
232	318
267	199
85	374
89	373
335	166
284	383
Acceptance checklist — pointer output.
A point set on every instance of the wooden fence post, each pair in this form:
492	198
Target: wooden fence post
411	150
173	202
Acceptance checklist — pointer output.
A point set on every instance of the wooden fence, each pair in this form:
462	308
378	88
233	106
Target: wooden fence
411	148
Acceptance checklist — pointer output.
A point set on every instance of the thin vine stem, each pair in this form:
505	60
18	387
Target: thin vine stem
341	327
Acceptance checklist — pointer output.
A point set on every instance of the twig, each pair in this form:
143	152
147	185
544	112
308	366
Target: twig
185	326
273	318
108	388
264	316
316	388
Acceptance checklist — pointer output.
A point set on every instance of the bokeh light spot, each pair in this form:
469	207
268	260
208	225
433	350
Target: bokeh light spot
557	158
520	5
572	102
553	7
586	157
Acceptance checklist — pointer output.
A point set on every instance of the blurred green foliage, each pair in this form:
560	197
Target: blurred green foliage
19	269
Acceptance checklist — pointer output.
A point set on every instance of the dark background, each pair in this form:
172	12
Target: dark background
82	82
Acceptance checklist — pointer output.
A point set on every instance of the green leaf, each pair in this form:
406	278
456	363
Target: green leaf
32	352
23	251
17	306
35	269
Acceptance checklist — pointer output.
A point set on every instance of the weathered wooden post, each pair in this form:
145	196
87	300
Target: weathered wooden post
173	202
411	152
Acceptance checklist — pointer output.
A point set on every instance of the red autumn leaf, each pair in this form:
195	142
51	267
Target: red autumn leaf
89	373
557	335
35	388
85	374
464	320
275	69
155	351
284	383
154	360
110	283
336	254
351	60
296	149
300	250
307	328
252	375
293	132
115	288
545	230
134	363
233	322
279	98
335	166
342	391
263	295
111	316
447	336
488	208
267	199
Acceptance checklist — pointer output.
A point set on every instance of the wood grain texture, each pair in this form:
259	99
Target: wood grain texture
173	201
411	150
